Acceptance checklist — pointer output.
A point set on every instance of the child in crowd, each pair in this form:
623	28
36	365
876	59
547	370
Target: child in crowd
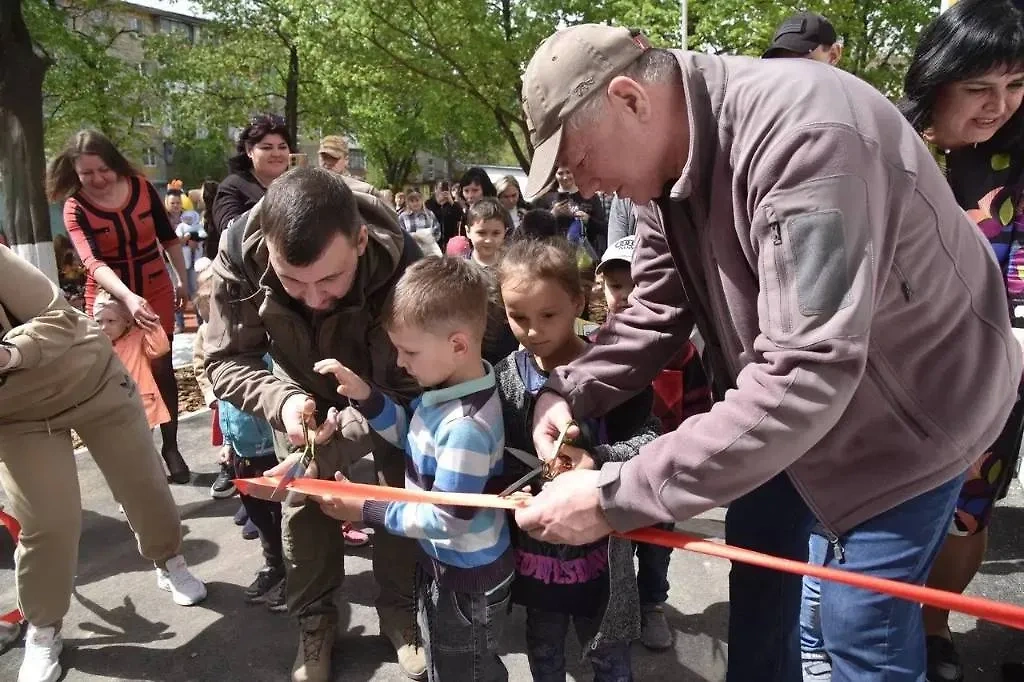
543	295
538	223
251	441
680	391
137	348
487	223
415	217
454	441
224	485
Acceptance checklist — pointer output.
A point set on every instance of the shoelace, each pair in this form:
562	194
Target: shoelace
312	642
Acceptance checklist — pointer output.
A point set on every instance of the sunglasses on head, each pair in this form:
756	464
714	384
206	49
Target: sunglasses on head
274	120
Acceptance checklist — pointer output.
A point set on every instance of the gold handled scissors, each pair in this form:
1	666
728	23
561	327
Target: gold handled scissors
301	465
549	469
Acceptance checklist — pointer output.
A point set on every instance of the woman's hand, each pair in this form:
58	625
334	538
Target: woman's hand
142	313
181	296
5	357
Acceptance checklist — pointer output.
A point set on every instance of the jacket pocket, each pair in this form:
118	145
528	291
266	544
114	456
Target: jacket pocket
890	396
778	278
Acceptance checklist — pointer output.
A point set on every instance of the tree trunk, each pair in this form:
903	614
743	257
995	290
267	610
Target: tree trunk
291	103
22	156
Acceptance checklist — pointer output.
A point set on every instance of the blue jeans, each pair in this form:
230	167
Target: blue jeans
545	648
652	570
812	644
869	636
461	631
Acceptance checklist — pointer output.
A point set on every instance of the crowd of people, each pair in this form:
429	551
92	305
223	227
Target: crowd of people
777	288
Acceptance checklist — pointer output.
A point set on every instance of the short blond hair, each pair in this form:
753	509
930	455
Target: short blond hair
441	295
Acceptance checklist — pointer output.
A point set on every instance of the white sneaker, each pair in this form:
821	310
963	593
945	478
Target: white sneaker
186	589
42	651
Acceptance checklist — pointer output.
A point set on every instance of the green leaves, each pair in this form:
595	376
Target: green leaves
878	37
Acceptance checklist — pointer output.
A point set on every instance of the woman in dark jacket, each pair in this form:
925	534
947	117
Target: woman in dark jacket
263	150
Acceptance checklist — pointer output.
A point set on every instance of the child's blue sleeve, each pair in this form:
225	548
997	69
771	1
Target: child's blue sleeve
386	417
463	452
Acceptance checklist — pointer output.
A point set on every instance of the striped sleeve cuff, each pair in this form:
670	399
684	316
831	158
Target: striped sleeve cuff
375	513
372	406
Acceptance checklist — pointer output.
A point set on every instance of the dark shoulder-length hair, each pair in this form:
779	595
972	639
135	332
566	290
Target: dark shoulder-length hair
478	176
259	127
970	39
62	180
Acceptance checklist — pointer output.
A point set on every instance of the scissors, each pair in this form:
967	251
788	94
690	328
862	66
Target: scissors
548	469
298	469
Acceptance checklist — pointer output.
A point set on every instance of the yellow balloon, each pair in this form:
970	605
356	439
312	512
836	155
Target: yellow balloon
186	203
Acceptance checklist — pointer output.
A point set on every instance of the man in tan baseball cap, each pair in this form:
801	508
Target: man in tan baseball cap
334	154
567	68
785	194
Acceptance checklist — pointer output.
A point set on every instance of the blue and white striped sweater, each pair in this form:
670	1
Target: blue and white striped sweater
454	442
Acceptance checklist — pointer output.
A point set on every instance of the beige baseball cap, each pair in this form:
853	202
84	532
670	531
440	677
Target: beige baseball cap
334	146
566	69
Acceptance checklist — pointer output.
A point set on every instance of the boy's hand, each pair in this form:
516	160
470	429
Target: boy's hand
341	508
581	459
299	417
349	383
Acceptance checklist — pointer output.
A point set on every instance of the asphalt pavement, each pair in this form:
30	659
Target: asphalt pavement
120	627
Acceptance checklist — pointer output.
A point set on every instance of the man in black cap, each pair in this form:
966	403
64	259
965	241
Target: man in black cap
807	35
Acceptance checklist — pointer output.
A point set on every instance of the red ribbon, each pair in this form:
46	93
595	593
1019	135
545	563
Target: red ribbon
986	609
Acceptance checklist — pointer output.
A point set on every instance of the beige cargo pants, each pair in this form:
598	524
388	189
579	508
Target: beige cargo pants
39	475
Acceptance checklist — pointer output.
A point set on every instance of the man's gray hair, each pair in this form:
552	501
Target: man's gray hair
653	66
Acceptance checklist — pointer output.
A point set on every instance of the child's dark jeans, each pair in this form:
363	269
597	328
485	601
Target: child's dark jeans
461	631
652	570
545	647
264	514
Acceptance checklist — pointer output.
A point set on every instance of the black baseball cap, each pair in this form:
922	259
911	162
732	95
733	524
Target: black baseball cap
801	33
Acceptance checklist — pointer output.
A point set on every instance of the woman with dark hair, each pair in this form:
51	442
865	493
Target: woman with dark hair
212	233
262	156
963	94
476	185
119	227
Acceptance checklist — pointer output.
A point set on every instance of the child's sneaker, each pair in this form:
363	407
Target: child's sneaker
655	634
277	598
266	580
250	531
354	537
185	588
224	485
42	654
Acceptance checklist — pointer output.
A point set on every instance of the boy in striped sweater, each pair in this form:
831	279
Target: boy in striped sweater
454	442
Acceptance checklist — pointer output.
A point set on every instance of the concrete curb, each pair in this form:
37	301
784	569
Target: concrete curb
182	419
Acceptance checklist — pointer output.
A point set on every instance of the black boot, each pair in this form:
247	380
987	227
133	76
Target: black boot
176	467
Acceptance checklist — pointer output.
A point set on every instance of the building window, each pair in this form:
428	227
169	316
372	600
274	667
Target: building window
149	157
145	117
135	24
176	28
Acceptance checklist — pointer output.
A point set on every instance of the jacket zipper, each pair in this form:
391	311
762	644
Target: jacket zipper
838	550
908	293
776	231
903	412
